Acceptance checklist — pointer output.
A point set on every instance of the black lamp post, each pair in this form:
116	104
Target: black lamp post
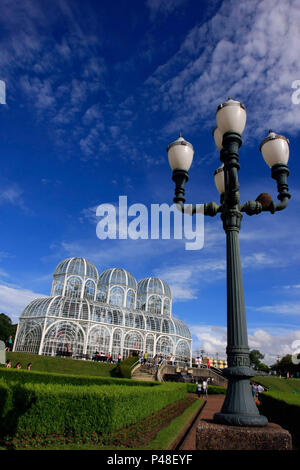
239	408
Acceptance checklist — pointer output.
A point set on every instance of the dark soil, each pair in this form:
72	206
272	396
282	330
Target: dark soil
140	433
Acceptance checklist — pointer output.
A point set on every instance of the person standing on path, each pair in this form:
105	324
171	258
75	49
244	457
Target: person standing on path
204	385
199	389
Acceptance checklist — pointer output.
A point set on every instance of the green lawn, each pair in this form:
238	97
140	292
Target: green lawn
61	365
275	384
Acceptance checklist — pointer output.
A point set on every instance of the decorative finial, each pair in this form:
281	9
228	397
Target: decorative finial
180	134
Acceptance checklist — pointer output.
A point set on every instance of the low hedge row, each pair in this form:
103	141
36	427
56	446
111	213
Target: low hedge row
212	389
283	409
32	409
25	376
124	368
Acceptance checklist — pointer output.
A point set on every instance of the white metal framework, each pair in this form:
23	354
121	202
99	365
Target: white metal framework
109	312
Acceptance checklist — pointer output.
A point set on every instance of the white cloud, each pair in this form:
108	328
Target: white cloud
288	308
257	64
12	195
271	343
13	300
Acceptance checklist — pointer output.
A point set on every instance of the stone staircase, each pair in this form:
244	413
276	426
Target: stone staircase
143	373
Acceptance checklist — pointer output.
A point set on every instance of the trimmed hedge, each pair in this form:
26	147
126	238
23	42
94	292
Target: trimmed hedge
124	368
212	389
32	409
283	409
25	376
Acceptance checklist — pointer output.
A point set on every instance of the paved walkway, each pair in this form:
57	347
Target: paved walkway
213	405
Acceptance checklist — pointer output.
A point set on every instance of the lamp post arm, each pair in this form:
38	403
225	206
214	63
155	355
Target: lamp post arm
180	177
264	202
210	208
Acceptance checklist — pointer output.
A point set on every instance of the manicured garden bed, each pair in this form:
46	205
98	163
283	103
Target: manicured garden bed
29	409
156	431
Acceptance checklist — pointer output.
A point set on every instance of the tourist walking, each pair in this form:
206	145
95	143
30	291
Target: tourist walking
9	344
199	389
260	390
145	357
205	386
8	364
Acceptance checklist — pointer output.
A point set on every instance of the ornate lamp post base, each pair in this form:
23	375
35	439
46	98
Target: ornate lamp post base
239	408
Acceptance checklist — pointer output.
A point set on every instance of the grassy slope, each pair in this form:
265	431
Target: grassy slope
61	365
275	384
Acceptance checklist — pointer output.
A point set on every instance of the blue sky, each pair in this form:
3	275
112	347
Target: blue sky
95	91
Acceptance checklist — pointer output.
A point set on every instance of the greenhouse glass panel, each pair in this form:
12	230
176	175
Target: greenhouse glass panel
129	320
102	293
164	347
63	339
139	321
141	302
166	306
29	337
58	285
116	296
133	343
130	300
117	343
154	304
89	290
73	287
84	311
99	339
182	350
150	346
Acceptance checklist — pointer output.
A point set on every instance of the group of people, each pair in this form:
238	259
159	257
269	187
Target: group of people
199	362
202	388
17	366
257	390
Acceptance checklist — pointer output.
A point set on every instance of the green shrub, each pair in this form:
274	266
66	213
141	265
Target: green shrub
25	376
283	409
125	367
212	389
5	398
65	409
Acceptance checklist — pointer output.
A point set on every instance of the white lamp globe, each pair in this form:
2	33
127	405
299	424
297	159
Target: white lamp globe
218	137
180	154
231	117
220	179
275	149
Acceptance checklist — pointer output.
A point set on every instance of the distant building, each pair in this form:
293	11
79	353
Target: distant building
109	312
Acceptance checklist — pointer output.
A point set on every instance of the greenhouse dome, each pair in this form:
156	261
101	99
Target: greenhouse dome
154	295
111	313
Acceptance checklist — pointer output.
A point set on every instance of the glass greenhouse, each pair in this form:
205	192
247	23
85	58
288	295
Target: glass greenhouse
110	312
